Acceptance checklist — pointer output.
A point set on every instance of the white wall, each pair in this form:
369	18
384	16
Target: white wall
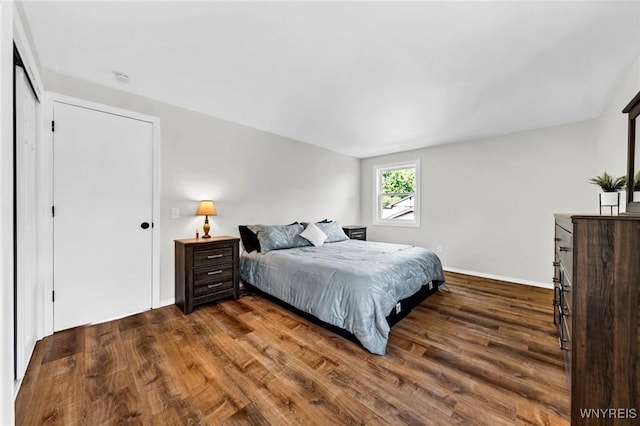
489	203
612	127
6	214
253	176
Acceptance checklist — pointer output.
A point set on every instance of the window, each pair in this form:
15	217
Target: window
397	194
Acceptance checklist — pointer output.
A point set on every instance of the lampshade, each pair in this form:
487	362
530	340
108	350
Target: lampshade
206	208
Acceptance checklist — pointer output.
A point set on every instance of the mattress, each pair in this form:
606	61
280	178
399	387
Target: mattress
352	284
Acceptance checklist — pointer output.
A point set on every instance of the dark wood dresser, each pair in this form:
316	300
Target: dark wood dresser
355	232
596	298
206	270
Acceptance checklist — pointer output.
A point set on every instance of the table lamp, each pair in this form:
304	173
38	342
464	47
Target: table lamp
206	209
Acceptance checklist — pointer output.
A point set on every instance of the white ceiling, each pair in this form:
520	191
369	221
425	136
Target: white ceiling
359	78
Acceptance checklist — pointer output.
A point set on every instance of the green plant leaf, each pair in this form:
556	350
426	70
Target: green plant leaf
609	183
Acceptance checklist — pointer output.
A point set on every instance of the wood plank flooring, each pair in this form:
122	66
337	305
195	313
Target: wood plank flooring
486	353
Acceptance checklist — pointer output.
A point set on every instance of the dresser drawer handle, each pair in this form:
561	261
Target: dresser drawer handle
214	256
214	285
556	280
562	341
556	263
563	248
219	271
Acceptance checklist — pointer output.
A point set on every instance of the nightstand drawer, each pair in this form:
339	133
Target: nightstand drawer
214	287
356	232
216	256
358	235
202	276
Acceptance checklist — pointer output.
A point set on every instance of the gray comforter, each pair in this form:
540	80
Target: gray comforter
351	284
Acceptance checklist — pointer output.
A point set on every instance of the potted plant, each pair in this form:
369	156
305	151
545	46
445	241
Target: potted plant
636	187
610	186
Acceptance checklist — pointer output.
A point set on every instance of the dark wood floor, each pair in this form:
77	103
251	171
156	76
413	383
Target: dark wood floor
486	353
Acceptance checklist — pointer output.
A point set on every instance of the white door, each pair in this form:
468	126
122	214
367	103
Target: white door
26	263
102	187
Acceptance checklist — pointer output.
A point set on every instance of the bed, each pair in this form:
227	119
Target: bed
360	287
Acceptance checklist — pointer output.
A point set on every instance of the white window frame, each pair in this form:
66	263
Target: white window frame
377	194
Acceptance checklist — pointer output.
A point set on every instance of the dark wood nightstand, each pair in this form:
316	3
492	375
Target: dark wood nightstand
206	270
356	232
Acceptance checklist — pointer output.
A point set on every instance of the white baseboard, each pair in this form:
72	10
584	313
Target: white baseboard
500	278
166	302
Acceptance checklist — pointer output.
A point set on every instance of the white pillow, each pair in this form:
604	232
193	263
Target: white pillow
314	235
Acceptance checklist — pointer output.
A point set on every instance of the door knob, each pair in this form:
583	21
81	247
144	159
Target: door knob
144	225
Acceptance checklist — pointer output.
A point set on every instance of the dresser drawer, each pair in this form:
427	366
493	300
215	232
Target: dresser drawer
565	343
565	332
211	274
564	248
565	327
557	270
211	288
557	294
565	292
217	256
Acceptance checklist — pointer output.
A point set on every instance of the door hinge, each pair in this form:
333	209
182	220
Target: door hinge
53	211
53	295
53	126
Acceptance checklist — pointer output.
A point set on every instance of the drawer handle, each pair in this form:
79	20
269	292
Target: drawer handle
556	280
214	285
556	263
219	271
561	341
214	256
563	248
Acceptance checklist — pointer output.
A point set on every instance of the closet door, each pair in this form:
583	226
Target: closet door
103	186
25	204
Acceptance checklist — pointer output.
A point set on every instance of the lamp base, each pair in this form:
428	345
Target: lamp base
206	227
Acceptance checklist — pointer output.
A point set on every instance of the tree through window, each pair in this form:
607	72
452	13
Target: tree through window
397	194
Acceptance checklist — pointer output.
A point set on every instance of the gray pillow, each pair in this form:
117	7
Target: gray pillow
333	230
277	237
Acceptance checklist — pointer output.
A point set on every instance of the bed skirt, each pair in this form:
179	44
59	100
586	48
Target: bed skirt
406	306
